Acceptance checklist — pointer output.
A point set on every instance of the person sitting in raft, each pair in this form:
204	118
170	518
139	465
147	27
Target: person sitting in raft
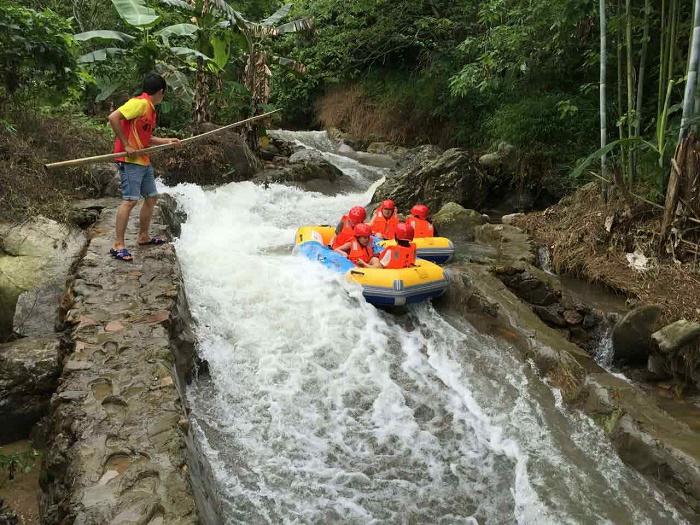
403	255
344	231
359	249
420	221
384	220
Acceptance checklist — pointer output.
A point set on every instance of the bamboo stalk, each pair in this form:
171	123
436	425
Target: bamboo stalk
662	63
693	58
630	86
642	67
603	96
154	149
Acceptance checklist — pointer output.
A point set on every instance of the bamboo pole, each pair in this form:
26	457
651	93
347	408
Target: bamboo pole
154	149
630	88
642	68
693	58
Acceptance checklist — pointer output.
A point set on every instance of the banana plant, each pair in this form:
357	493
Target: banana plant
145	45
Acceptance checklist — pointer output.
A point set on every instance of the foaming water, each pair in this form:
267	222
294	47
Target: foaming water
320	408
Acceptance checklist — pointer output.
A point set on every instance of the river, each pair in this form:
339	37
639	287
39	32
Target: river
319	408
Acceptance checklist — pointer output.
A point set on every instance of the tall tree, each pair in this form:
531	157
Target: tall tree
603	96
692	75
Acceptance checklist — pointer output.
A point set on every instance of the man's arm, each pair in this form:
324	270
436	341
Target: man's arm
115	119
157	141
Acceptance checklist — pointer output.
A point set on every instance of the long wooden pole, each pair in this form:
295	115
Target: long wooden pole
154	149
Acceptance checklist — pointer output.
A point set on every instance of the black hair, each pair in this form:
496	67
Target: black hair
153	83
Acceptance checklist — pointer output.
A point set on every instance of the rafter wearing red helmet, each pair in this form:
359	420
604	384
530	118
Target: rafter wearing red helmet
419	220
384	220
403	254
344	231
359	249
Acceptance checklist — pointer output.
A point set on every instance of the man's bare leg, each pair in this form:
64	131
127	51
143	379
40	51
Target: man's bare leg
145	218
123	213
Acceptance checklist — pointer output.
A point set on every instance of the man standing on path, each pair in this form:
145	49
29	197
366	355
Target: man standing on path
133	124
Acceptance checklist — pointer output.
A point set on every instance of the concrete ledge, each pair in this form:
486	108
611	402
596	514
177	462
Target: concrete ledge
118	424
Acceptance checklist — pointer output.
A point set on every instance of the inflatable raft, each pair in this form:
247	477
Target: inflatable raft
438	250
380	287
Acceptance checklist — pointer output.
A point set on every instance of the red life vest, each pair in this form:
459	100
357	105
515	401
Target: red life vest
421	227
359	252
138	132
397	257
383	226
346	233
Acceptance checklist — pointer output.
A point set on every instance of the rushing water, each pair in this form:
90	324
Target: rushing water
320	408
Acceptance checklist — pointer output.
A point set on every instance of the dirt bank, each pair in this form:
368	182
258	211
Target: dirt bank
591	239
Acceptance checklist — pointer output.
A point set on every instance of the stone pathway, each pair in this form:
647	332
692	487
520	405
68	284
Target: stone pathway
116	453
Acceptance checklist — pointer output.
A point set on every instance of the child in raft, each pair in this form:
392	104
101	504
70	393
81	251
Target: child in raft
420	221
344	232
384	220
360	252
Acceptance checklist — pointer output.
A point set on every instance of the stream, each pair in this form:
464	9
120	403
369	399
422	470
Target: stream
319	408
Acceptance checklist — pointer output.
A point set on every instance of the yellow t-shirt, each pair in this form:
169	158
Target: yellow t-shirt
139	115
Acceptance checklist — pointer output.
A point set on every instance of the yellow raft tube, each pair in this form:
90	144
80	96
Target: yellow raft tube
381	287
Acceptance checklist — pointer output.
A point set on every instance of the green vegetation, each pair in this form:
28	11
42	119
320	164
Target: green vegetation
468	74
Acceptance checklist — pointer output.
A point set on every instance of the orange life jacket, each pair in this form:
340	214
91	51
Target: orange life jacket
357	252
138	132
396	257
346	233
383	226
421	227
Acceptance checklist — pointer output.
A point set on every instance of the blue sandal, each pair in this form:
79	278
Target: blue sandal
122	255
154	241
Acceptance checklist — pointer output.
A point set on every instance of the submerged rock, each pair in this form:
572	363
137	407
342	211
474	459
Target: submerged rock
631	336
29	370
454	176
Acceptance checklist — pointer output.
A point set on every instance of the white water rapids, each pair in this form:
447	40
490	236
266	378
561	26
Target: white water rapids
320	408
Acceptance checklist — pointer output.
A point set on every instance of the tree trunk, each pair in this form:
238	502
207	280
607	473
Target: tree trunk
603	108
642	67
620	125
201	94
689	96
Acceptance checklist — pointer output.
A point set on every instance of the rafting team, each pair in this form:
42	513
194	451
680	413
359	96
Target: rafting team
353	237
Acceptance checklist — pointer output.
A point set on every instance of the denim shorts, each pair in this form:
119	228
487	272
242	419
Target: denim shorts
136	181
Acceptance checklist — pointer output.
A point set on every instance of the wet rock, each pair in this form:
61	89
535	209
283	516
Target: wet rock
105	180
307	155
115	451
505	155
35	257
631	336
511	218
552	314
456	222
36	312
532	286
219	159
572	317
386	148
676	335
310	172
511	243
29	370
454	176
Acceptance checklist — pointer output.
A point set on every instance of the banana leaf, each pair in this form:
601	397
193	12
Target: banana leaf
187	30
178	3
103	34
135	12
296	26
276	17
106	90
99	55
295	66
188	52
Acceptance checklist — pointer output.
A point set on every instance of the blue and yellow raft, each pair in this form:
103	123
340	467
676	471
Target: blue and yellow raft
380	287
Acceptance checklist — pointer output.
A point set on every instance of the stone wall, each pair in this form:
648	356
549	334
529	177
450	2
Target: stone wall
118	425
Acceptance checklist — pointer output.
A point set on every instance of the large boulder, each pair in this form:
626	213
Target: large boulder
631	336
35	257
454	176
310	173
676	335
220	158
29	371
456	222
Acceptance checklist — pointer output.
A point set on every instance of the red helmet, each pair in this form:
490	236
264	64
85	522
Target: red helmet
420	211
388	204
357	214
404	232
362	230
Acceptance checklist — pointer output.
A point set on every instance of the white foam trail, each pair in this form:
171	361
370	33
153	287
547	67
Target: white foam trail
323	409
